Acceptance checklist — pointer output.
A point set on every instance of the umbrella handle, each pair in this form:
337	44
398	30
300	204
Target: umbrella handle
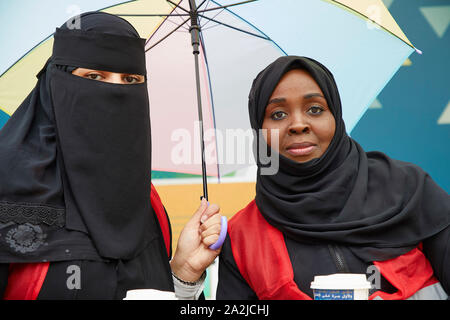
222	234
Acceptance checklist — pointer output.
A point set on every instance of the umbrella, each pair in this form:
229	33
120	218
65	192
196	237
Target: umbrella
199	102
358	40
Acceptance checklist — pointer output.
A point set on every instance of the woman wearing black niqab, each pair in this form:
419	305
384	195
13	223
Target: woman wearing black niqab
330	207
75	175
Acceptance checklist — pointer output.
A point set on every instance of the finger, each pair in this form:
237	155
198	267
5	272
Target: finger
210	211
212	220
210	240
214	229
223	234
201	209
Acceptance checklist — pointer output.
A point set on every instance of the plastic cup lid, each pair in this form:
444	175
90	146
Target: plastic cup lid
341	281
149	294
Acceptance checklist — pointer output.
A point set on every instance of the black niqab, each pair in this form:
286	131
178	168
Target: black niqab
377	206
75	157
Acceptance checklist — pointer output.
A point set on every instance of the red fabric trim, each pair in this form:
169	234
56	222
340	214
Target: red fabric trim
263	261
408	273
162	217
25	280
261	256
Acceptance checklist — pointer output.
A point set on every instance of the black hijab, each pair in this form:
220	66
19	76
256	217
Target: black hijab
75	157
377	206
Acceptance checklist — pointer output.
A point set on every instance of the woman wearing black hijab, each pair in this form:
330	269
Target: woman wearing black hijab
331	207
79	218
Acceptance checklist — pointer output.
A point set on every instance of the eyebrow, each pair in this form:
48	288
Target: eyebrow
306	96
313	95
276	100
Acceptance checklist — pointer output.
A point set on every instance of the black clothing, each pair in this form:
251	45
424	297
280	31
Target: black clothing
106	280
75	161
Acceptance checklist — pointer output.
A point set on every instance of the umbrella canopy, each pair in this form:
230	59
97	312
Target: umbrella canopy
358	40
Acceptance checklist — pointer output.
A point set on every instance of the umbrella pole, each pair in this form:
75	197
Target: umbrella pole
195	38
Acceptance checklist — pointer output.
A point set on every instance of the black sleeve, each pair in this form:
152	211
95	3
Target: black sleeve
231	286
3	278
437	251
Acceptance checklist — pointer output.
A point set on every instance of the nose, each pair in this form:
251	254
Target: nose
299	125
116	78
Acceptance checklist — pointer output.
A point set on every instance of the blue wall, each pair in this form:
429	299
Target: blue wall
3	118
405	124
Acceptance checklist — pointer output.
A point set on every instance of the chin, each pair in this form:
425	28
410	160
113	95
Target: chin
302	159
299	159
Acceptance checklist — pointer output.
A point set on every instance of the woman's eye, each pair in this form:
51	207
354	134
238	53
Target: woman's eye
131	79
94	76
315	110
278	115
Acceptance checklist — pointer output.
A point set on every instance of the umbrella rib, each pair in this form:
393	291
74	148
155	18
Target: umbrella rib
167	35
177	24
235	28
203	3
226	6
203	26
151	36
210	27
212	98
180	19
154	15
206	6
178	6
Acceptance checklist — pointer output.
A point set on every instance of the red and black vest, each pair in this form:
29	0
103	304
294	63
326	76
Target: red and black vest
263	261
25	279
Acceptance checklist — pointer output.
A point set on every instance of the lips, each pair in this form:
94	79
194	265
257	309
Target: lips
301	149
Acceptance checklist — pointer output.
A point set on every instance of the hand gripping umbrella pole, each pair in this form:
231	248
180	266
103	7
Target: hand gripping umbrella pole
195	39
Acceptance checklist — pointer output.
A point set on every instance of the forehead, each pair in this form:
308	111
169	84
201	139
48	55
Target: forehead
297	80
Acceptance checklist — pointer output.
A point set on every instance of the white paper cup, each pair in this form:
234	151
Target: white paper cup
341	286
149	294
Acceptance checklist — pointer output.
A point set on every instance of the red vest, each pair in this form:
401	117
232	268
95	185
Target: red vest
25	279
263	261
